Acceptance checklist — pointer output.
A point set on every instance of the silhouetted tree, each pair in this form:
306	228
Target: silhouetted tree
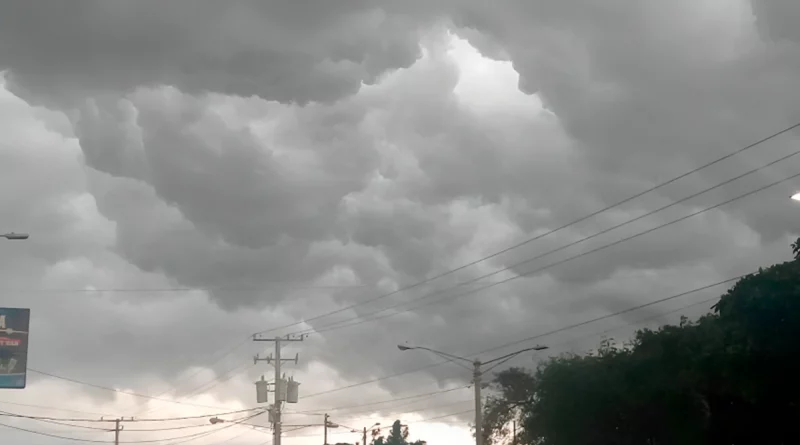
398	435
729	377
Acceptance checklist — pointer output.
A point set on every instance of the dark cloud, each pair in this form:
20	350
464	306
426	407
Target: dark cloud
287	51
283	161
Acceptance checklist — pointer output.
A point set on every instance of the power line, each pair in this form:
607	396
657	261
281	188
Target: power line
54	409
351	417
229	351
209	433
224	377
662	314
55	436
356	322
182	439
134	394
429	394
604	317
550	232
518	276
503	359
423	396
163	419
559	330
506	357
543	235
638	322
360	320
205	385
538	336
569	341
416	422
53	422
64	423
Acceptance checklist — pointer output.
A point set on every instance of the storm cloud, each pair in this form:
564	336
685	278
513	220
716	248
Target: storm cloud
195	172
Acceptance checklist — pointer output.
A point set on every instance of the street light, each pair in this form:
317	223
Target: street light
15	236
796	196
327	424
364	432
477	374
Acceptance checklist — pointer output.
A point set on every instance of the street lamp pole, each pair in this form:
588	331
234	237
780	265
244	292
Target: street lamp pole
364	431
477	377
328	424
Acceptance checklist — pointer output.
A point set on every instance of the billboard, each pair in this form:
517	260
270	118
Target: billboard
14	324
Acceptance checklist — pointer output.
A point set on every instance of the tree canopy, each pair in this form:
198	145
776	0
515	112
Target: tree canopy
398	435
730	377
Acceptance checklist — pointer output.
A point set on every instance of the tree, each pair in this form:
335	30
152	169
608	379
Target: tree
398	435
729	377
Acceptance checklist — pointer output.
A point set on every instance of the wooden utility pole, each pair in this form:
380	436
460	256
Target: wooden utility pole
276	360
118	427
325	431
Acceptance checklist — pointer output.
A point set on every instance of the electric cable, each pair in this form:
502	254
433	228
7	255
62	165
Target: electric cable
55	436
545	234
551	265
535	337
322	411
164	419
28	405
503	359
365	319
669	223
564	226
130	393
209	433
416	422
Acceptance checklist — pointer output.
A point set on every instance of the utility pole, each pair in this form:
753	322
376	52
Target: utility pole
325	429
365	435
477	374
117	429
276	360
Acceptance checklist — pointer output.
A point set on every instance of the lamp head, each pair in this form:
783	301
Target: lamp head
15	236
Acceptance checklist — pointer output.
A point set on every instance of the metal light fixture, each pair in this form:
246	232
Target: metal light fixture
15	236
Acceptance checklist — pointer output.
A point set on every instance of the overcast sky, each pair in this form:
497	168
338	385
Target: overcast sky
192	172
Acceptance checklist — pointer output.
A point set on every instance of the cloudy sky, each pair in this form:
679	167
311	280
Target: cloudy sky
193	172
